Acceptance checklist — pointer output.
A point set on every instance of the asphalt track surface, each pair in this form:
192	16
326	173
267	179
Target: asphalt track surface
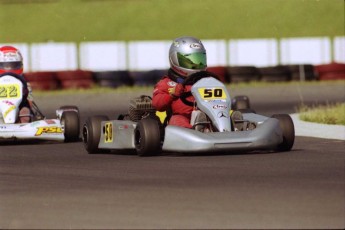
60	186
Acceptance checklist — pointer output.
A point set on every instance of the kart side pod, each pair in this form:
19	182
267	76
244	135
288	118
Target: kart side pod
266	136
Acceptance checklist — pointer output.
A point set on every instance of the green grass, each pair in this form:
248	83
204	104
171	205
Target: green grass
103	20
285	83
333	114
94	90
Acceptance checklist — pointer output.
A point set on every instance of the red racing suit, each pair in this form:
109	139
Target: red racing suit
162	100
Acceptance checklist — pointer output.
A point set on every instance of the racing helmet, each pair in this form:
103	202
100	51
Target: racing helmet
11	60
187	55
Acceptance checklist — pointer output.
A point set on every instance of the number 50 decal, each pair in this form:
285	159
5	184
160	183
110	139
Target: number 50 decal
212	93
108	132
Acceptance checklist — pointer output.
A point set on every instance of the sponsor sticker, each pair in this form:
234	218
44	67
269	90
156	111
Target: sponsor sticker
172	83
9	110
8	102
222	115
123	127
48	130
176	44
219	107
11	56
195	46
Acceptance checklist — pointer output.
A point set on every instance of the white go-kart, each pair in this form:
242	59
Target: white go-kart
65	127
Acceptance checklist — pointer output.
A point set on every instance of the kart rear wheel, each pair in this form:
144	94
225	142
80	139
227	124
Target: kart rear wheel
240	103
92	133
288	130
147	137
70	122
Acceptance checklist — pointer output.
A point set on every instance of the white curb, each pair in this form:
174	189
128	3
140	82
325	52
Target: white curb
311	129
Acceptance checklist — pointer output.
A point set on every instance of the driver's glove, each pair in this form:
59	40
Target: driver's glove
177	91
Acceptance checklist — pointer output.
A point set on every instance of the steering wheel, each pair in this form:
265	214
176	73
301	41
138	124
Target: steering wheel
190	80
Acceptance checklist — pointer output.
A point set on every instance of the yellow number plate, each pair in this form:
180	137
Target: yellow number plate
212	93
108	132
10	91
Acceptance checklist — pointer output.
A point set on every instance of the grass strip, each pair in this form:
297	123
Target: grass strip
231	86
332	114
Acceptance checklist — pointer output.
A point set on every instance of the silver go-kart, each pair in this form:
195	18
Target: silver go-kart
218	126
63	128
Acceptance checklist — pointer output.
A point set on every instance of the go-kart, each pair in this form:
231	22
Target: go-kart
219	129
64	128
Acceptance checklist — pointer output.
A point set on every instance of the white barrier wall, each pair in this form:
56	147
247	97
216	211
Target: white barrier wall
339	49
53	56
216	52
102	56
149	55
305	50
253	52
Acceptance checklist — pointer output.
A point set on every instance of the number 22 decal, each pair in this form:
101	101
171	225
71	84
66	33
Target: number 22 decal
9	91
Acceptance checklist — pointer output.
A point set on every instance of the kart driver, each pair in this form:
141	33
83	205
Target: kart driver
187	55
11	62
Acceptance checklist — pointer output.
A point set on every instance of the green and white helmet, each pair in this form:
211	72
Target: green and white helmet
187	55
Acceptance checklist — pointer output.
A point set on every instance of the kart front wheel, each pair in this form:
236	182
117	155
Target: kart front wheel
91	133
70	108
147	137
70	122
288	130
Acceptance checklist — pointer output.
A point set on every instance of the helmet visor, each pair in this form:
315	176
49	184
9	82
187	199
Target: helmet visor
192	61
11	65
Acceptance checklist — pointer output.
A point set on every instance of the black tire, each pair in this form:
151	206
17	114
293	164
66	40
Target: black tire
113	79
70	108
147	137
147	78
243	74
240	103
302	72
275	73
91	133
288	129
153	76
70	121
108	83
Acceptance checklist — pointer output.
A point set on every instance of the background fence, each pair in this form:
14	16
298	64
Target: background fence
149	55
51	65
